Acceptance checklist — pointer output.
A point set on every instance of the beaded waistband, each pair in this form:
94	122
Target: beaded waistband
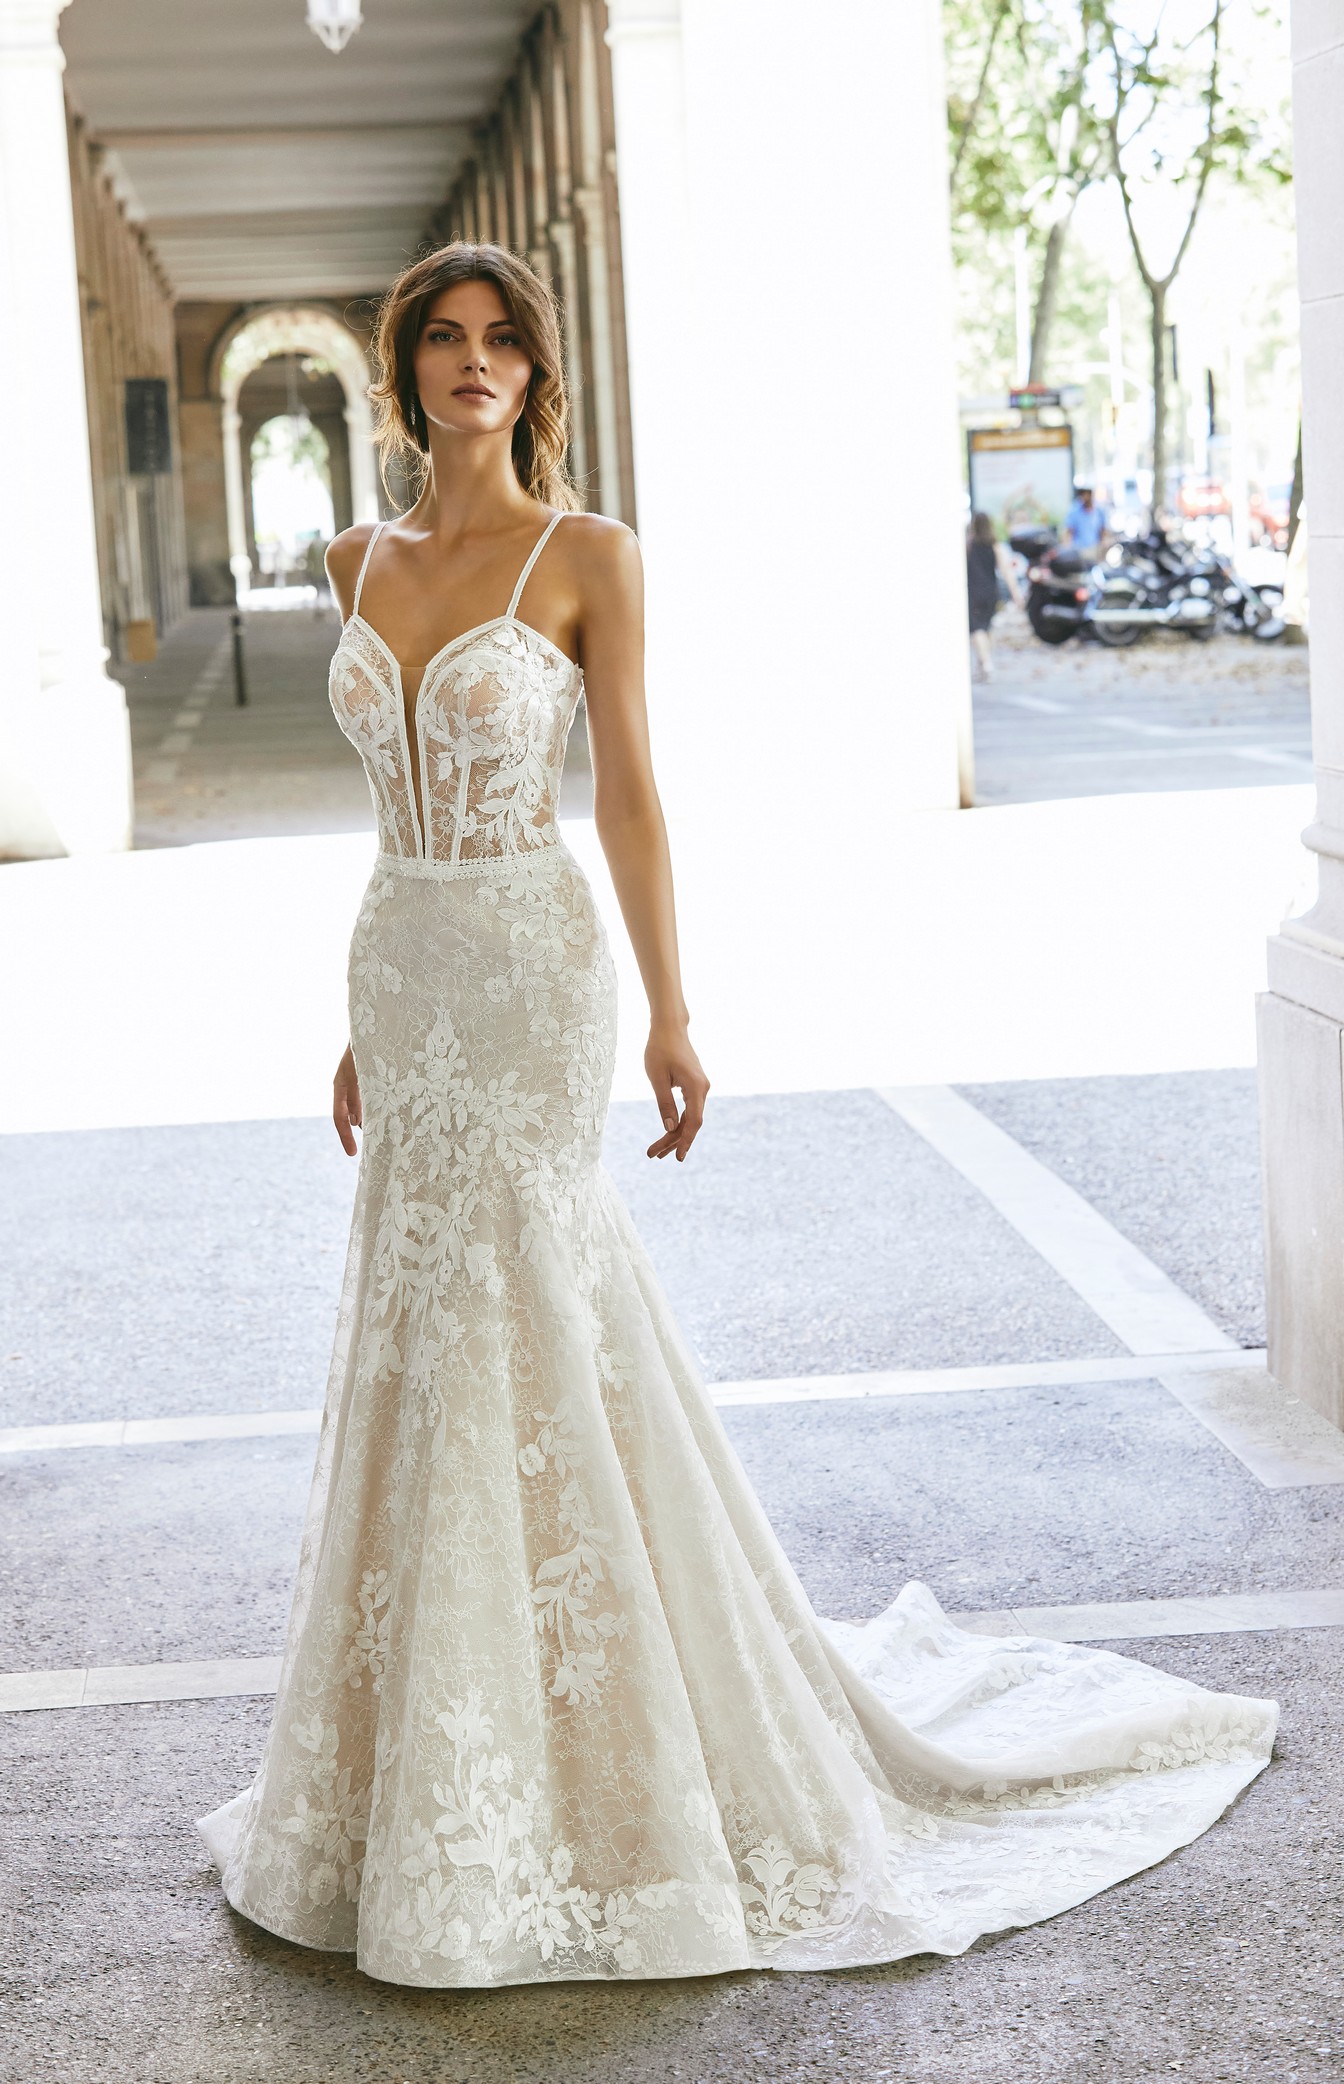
482	866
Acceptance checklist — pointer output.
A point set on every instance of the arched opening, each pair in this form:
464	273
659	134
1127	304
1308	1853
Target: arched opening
292	511
295	448
271	358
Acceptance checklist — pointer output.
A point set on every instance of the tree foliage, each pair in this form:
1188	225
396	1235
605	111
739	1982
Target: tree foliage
1047	96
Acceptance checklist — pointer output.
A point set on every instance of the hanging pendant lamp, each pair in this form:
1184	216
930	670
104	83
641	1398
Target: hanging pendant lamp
334	21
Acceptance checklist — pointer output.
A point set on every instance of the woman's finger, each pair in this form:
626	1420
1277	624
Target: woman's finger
691	1120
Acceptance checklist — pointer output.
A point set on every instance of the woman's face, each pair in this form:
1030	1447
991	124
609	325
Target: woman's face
471	369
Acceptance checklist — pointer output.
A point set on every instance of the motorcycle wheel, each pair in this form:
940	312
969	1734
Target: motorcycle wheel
1201	632
1118	636
1053	631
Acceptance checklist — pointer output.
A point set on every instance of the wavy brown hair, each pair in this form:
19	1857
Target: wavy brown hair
541	434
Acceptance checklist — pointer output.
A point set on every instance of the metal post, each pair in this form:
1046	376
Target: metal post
239	663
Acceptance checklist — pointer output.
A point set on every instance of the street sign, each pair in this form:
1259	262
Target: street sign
1031	397
149	451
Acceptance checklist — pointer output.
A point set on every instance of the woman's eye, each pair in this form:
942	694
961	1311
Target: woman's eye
505	340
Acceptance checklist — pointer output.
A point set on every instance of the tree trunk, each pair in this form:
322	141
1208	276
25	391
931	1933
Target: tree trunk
1157	292
1047	295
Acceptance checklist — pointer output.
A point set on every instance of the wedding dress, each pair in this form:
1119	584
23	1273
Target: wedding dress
553	1703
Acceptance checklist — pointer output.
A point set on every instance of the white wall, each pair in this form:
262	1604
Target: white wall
788	280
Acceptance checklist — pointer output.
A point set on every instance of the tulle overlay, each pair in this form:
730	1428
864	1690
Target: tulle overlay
553	1703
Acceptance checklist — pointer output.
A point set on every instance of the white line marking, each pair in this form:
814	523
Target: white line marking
1142	1305
1269	756
1109	1621
216	1678
1281	1440
797	1389
160	771
1017	1374
175	742
187	719
1231	1613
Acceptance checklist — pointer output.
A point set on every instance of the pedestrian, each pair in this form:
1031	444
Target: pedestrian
1086	526
989	572
553	1705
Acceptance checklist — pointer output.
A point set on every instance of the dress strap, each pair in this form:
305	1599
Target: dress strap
378	528
526	573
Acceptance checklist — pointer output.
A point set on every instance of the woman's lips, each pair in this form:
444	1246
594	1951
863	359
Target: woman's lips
472	391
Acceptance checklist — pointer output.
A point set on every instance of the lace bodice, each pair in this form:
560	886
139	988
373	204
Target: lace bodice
491	719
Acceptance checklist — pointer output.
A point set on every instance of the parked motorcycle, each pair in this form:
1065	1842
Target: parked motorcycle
1058	586
1145	584
1255	611
1151	583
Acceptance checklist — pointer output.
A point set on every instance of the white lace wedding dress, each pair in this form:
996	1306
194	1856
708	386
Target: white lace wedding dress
553	1703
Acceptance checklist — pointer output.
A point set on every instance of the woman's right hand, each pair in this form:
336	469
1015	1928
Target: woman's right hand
346	1111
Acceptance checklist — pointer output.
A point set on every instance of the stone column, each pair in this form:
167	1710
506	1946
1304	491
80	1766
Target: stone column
794	411
1302	1013
65	759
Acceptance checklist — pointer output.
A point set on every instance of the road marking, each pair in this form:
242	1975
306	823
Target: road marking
795	1389
1016	1374
229	1678
1119	1283
1270	756
1282	1441
1229	1613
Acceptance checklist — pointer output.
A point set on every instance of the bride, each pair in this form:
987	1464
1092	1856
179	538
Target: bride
553	1703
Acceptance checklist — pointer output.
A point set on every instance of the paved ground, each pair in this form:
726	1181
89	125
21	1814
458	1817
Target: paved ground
812	1233
1079	720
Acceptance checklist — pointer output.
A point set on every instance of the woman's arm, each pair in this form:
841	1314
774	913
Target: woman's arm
629	816
344	557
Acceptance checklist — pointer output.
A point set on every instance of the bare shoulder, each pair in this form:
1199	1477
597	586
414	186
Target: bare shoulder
345	554
601	554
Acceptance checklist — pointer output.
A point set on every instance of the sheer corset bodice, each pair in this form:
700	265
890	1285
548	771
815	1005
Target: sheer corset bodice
486	738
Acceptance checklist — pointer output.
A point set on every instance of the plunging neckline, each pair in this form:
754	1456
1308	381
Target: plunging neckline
410	721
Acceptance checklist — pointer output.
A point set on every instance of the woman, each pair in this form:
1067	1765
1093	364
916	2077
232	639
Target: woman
553	1704
987	563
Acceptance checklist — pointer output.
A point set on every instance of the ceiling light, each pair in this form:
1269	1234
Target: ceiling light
335	21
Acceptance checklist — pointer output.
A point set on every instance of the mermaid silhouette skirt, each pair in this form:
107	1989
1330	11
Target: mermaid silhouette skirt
553	1704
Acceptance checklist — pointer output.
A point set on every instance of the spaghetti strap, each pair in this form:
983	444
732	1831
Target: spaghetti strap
547	532
379	526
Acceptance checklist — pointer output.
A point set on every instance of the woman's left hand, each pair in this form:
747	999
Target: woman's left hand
672	1063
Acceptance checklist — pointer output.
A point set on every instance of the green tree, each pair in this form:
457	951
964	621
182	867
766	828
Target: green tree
1175	114
1025	138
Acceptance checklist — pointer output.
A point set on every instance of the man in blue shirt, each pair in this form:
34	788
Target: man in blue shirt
1085	522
